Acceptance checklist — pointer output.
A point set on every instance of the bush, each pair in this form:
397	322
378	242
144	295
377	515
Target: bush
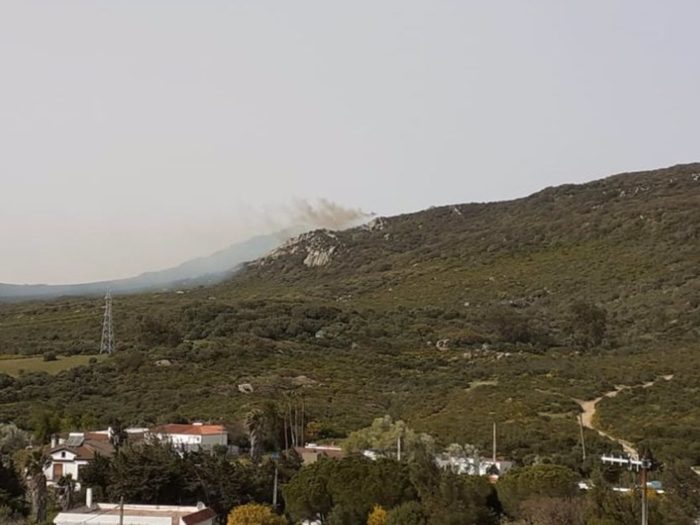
254	514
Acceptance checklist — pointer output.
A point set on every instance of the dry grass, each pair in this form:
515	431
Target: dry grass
13	366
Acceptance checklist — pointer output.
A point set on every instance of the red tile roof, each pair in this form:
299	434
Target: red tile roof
197	430
199	517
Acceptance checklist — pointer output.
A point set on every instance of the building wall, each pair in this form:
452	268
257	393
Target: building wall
194	439
69	463
215	439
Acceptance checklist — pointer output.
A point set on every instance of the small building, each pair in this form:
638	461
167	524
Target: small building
70	455
312	452
473	466
191	436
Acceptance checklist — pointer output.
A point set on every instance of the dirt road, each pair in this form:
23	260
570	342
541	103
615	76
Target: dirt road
589	410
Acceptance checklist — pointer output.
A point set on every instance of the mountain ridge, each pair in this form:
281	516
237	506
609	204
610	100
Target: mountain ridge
199	271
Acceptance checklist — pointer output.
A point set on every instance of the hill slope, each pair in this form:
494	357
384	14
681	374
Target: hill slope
450	318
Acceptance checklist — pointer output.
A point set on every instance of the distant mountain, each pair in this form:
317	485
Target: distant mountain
200	271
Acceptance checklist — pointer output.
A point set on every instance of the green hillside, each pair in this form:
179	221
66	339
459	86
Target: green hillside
449	318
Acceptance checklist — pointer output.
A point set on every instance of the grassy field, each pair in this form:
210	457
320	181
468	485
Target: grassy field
12	365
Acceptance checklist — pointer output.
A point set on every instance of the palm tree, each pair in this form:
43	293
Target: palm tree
255	423
37	483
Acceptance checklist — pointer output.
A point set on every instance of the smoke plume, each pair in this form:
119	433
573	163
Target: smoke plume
325	214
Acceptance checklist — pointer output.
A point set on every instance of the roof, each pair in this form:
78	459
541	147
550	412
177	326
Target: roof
199	517
88	450
329	452
195	429
108	514
97	436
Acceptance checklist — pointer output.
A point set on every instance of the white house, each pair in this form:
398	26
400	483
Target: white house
191	436
473	466
73	453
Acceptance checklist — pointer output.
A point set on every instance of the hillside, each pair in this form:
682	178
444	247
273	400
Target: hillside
450	318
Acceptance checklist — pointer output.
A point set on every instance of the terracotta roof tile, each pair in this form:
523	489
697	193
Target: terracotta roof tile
197	430
198	517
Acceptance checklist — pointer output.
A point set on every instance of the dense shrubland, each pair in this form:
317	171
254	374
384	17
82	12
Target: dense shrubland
450	319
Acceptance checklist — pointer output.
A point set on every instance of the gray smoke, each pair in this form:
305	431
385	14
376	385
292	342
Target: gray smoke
326	214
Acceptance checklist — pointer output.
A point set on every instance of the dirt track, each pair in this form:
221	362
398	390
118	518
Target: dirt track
589	410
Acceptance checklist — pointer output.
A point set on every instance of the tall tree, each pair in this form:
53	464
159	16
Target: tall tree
518	485
37	484
255	423
148	473
11	491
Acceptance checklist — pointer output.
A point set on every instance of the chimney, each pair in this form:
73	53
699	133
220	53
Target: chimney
54	440
88	498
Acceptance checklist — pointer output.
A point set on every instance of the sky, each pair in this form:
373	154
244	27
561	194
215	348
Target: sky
137	134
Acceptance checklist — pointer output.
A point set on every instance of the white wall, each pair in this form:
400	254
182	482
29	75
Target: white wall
67	459
193	439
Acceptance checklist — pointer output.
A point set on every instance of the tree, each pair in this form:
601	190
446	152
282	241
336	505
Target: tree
307	494
149	473
553	511
682	487
12	439
518	485
37	484
254	514
155	331
408	513
384	435
255	423
46	423
378	516
589	324
359	484
96	474
66	490
11	492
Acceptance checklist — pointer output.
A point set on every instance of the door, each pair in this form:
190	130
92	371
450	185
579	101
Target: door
57	471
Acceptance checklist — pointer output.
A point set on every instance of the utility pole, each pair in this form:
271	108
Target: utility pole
494	443
107	343
121	510
303	407
583	441
645	517
643	466
398	448
274	486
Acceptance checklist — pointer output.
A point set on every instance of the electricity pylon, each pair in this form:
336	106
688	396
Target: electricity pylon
107	343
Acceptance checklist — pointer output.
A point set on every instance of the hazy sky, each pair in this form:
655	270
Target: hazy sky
137	134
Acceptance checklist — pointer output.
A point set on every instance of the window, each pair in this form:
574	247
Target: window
63	454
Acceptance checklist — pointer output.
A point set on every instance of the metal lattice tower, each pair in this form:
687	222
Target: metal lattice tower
107	343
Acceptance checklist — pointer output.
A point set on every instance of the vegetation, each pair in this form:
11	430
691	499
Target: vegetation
254	514
449	319
49	363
